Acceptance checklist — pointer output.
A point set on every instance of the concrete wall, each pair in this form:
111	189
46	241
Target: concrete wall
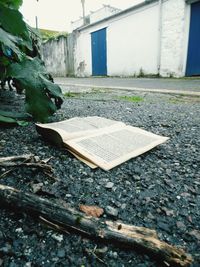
82	55
134	41
69	55
54	54
175	32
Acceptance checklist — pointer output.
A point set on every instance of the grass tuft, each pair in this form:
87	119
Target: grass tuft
72	94
134	99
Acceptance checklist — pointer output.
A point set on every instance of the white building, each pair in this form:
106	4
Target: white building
104	12
154	37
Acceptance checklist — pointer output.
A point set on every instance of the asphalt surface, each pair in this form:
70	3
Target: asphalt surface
187	86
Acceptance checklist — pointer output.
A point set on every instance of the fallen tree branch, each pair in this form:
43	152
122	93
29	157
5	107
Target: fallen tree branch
5	161
29	161
115	232
29	165
37	165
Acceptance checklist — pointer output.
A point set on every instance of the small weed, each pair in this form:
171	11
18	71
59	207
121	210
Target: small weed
99	90
70	94
134	99
78	219
63	157
175	101
184	99
141	74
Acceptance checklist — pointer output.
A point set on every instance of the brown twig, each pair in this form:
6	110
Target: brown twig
53	225
4	161
24	161
90	251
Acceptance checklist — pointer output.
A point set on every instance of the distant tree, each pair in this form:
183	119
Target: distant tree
49	34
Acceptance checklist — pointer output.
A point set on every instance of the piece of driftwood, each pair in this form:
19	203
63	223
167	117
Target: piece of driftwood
110	231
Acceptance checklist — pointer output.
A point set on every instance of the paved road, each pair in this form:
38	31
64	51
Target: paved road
162	85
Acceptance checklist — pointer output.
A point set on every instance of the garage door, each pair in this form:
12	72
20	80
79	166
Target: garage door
99	53
193	60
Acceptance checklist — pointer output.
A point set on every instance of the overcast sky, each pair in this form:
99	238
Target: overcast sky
58	14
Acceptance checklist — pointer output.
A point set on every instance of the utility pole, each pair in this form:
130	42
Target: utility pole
36	19
83	8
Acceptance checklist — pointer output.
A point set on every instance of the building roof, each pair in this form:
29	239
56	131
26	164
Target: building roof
126	11
120	13
191	1
93	16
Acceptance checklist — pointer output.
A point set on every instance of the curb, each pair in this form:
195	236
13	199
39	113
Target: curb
162	91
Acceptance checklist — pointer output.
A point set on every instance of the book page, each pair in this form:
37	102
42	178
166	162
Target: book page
78	126
111	147
90	164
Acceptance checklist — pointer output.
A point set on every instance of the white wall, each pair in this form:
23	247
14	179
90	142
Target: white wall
133	42
54	54
175	31
82	55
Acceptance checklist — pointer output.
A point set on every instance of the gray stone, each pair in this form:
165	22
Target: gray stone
123	206
109	185
181	225
89	180
111	211
68	195
37	187
61	253
57	237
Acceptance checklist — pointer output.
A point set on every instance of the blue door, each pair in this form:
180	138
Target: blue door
193	60
99	53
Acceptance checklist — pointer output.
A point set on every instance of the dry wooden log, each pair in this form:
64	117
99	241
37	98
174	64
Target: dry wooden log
115	232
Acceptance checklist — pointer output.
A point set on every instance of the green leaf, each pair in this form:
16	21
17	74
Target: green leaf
8	120
53	88
10	41
22	123
38	104
12	3
4	61
14	115
31	75
11	20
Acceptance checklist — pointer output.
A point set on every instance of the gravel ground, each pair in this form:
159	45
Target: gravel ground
159	189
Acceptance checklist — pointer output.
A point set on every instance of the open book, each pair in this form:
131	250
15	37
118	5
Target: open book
99	141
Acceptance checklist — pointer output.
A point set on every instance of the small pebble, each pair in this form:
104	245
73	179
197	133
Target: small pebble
111	211
109	185
58	238
61	253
